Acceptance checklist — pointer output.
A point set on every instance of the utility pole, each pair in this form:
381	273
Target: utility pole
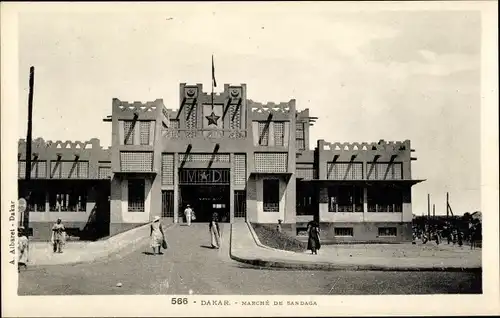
433	211
27	195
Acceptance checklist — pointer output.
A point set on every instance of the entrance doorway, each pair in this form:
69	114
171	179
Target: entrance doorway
206	200
207	191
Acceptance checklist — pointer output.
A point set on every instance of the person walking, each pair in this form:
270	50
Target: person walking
157	236
58	236
23	249
214	230
313	243
188	213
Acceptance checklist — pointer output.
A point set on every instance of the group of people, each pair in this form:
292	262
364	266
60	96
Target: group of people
159	240
57	238
453	235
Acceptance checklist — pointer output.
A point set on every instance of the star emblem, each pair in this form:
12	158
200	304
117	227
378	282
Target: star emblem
204	176
212	119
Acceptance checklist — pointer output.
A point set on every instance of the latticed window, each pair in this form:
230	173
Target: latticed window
128	132
263	133
271	195
299	136
345	170
387	231
279	133
144	129
240	169
235	116
69	169
385	171
345	199
240	203
167	169
167	203
136	195
104	173
344	231
304	171
385	199
38	169
201	157
306	199
136	161
191	121
271	161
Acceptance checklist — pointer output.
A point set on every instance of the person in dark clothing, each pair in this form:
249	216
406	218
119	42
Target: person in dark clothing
313	243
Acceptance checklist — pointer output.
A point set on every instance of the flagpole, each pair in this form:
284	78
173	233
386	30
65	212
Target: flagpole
212	82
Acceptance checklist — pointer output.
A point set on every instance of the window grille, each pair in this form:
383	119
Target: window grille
69	169
240	203
167	169
235	116
271	195
136	195
38	169
271	162
136	161
104	172
344	170
306	199
305	173
144	129
191	121
263	133
385	171
167	198
279	133
387	231
240	169
197	157
129	135
344	231
299	136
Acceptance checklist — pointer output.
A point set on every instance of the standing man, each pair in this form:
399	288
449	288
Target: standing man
188	213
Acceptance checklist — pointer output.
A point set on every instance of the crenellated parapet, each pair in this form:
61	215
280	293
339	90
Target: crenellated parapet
139	110
381	146
269	107
49	149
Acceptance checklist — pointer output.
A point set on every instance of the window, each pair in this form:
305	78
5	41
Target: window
69	169
167	201
306	199
271	195
344	231
345	170
345	199
386	199
263	133
38	169
128	128
387	231
136	195
385	171
144	130
240	203
68	198
279	133
299	136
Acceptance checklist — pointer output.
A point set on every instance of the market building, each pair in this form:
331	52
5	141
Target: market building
223	153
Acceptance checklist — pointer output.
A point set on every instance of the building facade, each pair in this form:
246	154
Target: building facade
223	153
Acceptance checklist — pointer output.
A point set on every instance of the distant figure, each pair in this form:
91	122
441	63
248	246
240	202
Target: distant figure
188	213
23	249
454	236
460	237
157	236
214	230
278	227
476	236
58	236
313	243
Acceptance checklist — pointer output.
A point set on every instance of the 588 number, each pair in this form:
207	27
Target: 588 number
179	301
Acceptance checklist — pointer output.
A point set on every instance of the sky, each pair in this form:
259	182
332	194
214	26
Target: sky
391	75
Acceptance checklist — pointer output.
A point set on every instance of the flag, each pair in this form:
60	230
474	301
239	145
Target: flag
214	83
